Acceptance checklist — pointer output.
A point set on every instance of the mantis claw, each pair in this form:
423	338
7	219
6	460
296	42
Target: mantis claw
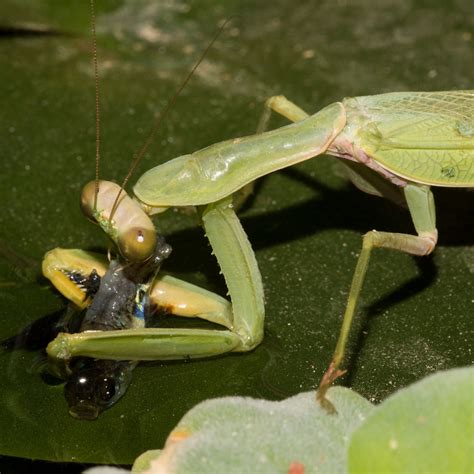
331	374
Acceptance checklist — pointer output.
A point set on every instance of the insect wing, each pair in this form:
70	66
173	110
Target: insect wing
426	137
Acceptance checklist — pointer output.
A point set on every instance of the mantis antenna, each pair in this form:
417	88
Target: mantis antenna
97	103
139	155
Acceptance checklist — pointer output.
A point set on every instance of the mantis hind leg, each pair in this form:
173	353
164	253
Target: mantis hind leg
421	205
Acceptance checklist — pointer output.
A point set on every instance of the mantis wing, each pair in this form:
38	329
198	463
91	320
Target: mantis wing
425	137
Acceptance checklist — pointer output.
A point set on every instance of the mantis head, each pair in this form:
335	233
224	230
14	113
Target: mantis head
121	218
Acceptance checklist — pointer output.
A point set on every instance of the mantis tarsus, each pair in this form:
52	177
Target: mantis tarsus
397	145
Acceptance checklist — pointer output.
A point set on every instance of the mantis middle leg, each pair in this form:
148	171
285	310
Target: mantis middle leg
282	106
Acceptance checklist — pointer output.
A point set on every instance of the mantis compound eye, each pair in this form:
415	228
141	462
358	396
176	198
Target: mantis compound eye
96	385
87	200
137	244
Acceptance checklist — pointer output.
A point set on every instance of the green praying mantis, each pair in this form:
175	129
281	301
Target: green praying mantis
395	145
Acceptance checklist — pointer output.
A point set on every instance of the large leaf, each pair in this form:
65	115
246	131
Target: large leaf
427	427
305	223
421	428
237	434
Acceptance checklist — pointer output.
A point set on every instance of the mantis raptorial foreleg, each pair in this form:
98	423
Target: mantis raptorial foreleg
181	298
70	270
245	322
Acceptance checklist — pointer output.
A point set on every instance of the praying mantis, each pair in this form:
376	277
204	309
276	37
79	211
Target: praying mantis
396	145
